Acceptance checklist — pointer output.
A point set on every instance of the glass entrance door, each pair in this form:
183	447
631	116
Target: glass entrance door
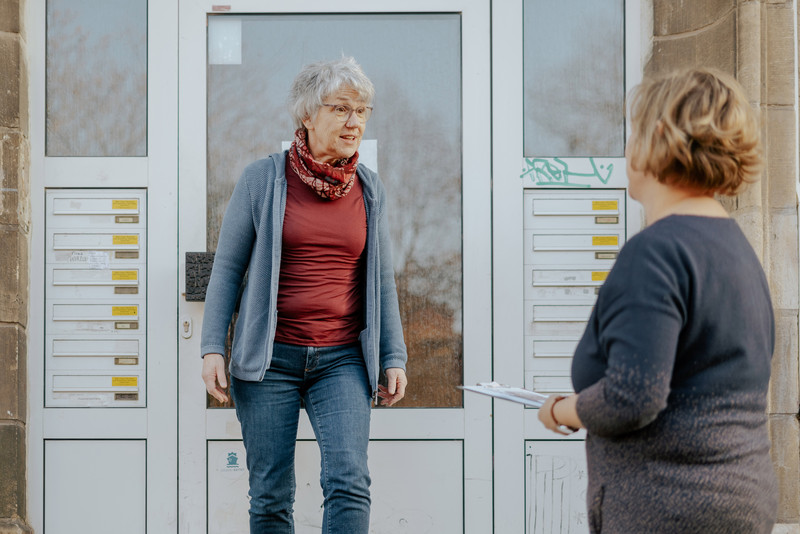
430	456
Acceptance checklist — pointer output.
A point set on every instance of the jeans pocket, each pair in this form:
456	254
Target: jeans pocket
596	511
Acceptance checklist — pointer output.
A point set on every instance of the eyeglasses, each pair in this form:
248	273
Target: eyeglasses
343	112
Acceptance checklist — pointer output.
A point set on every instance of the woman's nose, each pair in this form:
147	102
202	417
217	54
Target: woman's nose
352	120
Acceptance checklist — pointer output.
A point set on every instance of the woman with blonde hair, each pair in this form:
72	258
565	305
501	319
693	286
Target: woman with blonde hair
672	371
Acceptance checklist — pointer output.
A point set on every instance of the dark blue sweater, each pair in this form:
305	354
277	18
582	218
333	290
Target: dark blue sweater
672	372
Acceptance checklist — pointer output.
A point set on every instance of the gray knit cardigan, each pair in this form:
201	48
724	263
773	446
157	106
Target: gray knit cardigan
250	241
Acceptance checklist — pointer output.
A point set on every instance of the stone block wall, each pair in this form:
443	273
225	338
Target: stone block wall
754	41
14	241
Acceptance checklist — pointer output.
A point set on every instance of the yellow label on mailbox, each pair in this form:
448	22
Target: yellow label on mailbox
124	381
124	310
124	204
603	205
599	276
124	275
604	240
125	239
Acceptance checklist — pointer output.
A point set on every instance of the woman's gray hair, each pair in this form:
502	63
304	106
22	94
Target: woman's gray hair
317	81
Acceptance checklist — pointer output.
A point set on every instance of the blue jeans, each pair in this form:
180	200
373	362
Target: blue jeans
333	383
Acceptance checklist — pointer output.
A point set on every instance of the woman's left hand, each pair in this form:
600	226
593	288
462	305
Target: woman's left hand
563	424
395	388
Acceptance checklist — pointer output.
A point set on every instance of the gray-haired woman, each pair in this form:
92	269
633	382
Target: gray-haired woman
318	318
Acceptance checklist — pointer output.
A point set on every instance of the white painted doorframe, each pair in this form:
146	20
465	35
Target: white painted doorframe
514	426
472	423
157	172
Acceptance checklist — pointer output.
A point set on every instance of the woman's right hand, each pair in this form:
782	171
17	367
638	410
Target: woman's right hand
214	376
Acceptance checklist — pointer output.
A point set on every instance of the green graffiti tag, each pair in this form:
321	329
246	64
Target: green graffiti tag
556	172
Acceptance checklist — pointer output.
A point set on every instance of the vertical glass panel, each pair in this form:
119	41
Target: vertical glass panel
574	78
415	63
96	78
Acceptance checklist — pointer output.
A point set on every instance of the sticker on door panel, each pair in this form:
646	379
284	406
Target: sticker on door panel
605	241
224	41
95	259
605	205
124	381
124	275
231	462
130	204
126	239
132	311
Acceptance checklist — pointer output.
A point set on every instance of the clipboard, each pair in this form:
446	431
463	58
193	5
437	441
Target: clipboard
501	391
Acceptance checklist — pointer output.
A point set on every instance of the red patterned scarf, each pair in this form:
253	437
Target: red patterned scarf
326	180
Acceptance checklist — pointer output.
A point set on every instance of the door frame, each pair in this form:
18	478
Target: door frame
472	423
157	422
514	426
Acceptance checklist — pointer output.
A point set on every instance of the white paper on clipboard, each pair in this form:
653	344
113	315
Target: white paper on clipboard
501	391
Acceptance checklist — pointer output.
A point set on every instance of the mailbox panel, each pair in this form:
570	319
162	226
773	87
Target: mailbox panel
559	210
78	353
95	297
571	240
70	208
81	283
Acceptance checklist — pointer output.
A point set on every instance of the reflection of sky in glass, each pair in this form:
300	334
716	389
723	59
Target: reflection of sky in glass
574	78
96	77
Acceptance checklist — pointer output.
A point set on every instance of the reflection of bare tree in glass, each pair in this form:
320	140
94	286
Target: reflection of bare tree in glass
419	163
421	167
574	79
246	121
96	85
